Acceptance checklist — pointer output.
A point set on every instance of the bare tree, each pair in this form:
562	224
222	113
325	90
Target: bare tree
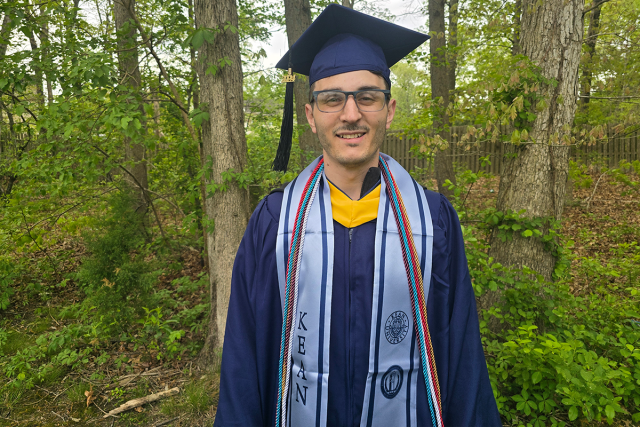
298	18
534	175
129	68
590	49
225	149
440	92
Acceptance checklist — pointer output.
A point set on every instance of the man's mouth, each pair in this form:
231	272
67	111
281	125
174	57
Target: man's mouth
351	135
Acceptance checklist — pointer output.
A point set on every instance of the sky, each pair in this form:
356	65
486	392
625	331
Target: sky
407	12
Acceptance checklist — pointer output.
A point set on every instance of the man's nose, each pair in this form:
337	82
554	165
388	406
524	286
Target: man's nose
350	112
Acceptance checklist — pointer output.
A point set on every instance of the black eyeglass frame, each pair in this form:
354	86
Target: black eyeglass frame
386	92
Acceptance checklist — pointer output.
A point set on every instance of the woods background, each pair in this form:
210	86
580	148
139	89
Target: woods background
136	136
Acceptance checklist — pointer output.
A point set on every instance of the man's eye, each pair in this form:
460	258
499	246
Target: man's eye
367	98
332	98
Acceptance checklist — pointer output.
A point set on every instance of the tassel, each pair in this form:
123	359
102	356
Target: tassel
281	161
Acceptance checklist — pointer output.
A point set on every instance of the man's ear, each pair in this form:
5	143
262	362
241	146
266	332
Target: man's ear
391	111
308	109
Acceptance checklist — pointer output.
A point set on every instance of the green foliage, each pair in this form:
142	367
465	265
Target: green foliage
8	275
559	356
116	277
521	95
156	331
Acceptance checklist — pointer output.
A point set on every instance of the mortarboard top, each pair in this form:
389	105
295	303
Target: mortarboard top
342	40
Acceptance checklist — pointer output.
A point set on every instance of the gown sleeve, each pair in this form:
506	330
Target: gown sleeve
470	399
242	393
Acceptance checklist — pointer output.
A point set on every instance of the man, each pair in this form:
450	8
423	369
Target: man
335	275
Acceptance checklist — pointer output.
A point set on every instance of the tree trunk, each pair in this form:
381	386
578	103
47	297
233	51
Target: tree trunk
195	86
535	178
36	65
44	44
440	92
5	32
225	147
348	3
452	49
130	76
298	18
590	50
515	43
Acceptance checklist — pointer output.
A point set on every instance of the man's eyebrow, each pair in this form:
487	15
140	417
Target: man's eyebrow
369	87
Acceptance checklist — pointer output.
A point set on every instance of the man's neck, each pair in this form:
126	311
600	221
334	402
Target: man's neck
348	179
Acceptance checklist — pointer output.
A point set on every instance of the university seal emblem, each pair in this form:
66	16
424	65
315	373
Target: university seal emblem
396	327
391	382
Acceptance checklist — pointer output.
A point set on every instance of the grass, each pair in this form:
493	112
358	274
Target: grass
199	397
75	393
16	341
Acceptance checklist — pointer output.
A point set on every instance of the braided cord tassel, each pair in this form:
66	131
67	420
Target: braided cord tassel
416	290
291	291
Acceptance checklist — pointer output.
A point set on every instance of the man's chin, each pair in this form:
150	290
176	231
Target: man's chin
353	161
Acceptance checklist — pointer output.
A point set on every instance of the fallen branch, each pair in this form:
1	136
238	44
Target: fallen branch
593	193
141	401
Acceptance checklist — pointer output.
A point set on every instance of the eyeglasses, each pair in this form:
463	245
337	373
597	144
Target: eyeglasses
367	100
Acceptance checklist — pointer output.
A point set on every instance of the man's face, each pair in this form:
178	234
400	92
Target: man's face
351	137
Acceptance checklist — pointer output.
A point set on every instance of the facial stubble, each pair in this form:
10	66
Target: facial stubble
380	131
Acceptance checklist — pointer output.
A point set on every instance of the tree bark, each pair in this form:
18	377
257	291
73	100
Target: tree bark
44	44
36	63
515	43
535	178
5	32
130	76
440	92
348	3
225	148
590	50
452	42
298	18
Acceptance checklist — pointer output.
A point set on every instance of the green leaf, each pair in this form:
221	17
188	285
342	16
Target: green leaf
586	375
209	36
573	413
527	233
609	411
198	39
536	377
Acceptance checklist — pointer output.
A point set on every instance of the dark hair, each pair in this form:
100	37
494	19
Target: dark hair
377	73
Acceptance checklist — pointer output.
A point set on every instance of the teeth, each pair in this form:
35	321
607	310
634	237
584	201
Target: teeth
357	135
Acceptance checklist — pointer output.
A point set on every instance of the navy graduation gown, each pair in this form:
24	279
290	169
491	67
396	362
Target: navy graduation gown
248	381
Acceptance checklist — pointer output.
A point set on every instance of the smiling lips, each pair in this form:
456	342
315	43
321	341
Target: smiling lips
350	135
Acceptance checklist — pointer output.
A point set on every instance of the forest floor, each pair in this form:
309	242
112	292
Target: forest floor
82	396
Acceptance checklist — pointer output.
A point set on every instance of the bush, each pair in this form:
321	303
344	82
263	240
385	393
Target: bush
116	277
560	356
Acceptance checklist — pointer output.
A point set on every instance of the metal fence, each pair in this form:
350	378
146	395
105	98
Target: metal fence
611	149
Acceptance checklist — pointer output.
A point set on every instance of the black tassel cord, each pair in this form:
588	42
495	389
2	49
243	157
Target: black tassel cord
281	161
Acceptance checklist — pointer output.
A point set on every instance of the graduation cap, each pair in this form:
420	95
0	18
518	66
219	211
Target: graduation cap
339	41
